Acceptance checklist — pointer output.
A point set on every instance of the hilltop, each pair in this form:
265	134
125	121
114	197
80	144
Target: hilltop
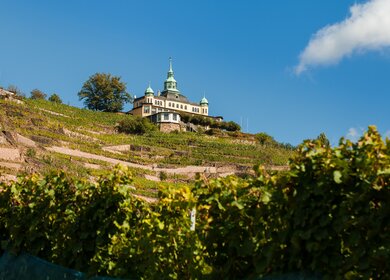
39	136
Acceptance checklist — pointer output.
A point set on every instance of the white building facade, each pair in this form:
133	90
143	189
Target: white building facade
169	100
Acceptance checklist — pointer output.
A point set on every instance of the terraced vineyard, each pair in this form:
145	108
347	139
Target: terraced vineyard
96	146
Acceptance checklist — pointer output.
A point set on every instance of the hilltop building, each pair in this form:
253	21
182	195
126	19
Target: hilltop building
166	107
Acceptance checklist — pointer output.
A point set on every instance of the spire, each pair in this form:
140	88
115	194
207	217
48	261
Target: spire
170	83
204	101
170	71
170	65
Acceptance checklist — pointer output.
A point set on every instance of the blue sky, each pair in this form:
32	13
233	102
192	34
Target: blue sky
259	62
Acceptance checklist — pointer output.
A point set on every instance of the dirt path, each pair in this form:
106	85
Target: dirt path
187	170
10	154
11	165
53	113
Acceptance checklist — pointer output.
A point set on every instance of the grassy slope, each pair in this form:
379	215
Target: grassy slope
96	130
199	148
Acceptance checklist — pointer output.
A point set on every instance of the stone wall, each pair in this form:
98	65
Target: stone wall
169	127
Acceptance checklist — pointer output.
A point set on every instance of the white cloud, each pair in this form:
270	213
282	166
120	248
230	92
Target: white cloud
354	134
366	29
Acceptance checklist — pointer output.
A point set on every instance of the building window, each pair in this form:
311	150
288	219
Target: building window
175	117
181	106
177	106
185	107
146	109
166	116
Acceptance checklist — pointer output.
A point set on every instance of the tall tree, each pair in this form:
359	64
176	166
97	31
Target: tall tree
103	92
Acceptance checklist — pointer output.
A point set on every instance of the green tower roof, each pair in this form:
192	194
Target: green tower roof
204	101
149	90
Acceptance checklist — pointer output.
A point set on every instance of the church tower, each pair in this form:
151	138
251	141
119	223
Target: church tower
170	83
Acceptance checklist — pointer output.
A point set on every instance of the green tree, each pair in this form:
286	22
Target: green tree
55	98
265	139
135	125
232	126
37	94
103	92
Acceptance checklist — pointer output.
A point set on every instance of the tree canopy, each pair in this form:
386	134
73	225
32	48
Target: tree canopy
103	92
37	94
55	98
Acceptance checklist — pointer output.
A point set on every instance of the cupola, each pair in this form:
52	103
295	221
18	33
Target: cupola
149	91
204	102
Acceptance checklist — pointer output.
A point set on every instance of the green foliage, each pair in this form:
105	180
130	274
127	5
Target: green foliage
135	125
55	98
38	94
103	92
265	139
163	176
207	121
323	140
328	215
31	152
336	208
187	148
268	141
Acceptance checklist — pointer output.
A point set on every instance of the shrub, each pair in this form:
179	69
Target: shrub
207	121
37	94
163	176
328	216
55	98
135	125
31	152
16	90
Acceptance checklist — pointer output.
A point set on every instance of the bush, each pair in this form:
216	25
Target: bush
16	90
37	94
327	216
207	121
55	98
265	139
136	125
163	176
31	152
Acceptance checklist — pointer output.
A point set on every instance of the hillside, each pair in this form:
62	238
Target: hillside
40	136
